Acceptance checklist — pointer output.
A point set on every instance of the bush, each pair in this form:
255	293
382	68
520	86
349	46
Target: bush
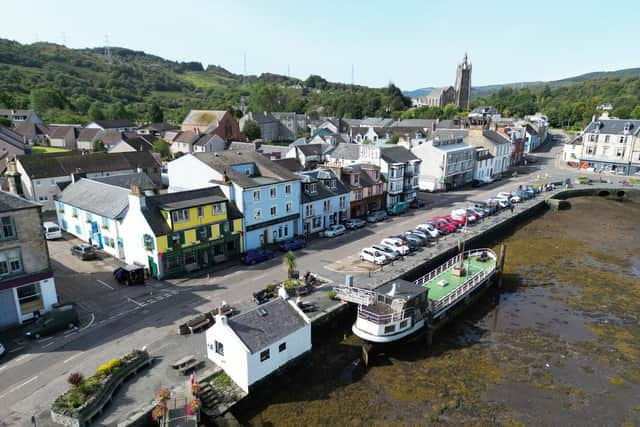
291	283
75	379
271	288
331	295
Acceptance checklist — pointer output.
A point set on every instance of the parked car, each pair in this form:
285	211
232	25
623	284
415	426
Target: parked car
334	230
292	245
431	229
396	244
397	209
500	202
355	223
457	222
441	224
414	238
373	256
3	350
130	274
422	234
391	254
377	216
253	256
509	196
51	230
464	216
84	251
487	208
479	213
60	317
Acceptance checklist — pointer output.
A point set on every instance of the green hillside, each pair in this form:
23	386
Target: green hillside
78	85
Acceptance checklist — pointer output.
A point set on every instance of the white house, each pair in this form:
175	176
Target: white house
498	145
483	167
252	345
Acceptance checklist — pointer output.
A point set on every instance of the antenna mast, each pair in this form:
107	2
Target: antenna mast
107	49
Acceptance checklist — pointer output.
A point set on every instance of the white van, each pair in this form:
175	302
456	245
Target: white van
51	230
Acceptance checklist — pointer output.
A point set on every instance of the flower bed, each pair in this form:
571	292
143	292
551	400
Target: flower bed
83	400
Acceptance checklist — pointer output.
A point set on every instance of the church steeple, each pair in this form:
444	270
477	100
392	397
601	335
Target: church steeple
463	83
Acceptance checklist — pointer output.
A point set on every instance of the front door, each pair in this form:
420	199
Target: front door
153	267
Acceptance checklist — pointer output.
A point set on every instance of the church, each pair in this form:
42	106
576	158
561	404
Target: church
458	95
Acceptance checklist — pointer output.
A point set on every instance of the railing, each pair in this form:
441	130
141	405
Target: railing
383	319
456	259
355	295
454	296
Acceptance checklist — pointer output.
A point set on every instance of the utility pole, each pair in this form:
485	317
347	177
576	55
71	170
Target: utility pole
352	76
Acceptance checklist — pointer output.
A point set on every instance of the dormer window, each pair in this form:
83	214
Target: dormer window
355	179
312	188
628	126
332	183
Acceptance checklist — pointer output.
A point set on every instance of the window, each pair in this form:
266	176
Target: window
273	193
78	230
181	215
224	227
287	189
389	329
203	233
343	202
219	208
256	196
74	213
29	298
200	212
404	324
7	231
356	180
147	241
257	214
264	355
327	205
359	194
606	139
10	262
286	230
620	152
288	207
274	211
590	150
282	347
175	239
312	188
308	210
622	140
332	183
219	348
317	222
105	223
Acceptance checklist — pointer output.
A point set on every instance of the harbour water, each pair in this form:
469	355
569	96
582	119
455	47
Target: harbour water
559	346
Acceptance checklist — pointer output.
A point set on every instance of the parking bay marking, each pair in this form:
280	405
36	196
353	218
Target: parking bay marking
136	302
18	386
73	357
105	284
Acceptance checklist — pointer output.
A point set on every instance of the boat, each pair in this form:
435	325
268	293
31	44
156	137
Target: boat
400	308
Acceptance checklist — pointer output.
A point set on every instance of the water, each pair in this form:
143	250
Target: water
559	346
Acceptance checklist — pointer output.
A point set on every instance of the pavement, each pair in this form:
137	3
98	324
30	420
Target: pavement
117	319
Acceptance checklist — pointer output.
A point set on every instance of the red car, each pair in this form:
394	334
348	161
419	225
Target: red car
441	223
459	222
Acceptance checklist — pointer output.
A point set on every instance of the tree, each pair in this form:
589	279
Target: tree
162	147
449	111
44	99
98	146
95	112
289	263
5	122
155	114
252	130
635	114
394	138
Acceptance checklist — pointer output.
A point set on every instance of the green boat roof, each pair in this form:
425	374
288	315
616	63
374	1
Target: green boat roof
473	266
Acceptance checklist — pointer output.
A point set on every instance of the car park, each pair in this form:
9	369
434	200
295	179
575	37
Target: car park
422	234
373	256
509	196
130	274
462	215
51	230
500	202
334	230
396	244
84	251
292	245
413	238
486	207
441	223
377	216
61	316
391	254
355	223
429	229
254	256
457	222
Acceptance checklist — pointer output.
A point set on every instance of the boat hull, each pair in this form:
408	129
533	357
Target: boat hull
381	339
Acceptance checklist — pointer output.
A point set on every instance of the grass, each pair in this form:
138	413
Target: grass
45	150
221	380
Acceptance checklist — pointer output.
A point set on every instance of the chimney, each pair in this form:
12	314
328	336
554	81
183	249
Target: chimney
392	292
137	199
221	318
605	115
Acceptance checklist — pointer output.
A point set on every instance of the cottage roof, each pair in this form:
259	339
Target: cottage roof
60	131
31	130
96	197
89	134
290	163
415	123
224	161
322	178
266	324
64	164
11	202
347	151
614	126
238	145
11	137
158	127
139	143
397	155
495	137
139	179
114	124
313	149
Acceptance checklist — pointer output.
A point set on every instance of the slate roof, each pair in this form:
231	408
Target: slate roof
258	330
10	202
11	137
187	137
397	155
323	191
89	134
114	124
111	137
415	123
158	127
139	143
96	197
224	160
139	179
290	164
31	130
238	145
64	164
313	149
448	134
347	151
178	200
262	117
614	126
496	137
376	122
60	131
365	179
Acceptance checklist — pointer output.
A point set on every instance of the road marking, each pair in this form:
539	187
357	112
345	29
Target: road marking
49	344
72	357
16	349
135	302
105	284
18	386
68	334
44	340
93	317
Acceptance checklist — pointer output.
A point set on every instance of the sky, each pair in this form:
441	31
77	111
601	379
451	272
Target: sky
412	43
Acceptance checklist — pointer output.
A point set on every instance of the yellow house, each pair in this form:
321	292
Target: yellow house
182	231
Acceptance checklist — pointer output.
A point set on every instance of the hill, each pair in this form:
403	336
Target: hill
77	85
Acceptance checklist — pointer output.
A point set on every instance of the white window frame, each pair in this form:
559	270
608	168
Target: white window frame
273	210
273	192
181	215
288	207
257	214
256	195
287	189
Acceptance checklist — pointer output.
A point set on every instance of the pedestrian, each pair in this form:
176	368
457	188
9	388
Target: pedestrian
512	207
90	242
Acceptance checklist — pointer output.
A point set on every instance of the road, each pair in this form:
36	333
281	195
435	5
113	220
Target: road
117	319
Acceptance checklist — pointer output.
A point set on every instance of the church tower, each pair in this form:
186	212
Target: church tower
463	84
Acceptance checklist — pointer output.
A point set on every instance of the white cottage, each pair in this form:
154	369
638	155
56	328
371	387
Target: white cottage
252	345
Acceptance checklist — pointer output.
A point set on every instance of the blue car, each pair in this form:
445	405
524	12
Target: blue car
292	245
253	256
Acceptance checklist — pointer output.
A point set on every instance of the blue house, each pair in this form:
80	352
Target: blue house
267	194
324	200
